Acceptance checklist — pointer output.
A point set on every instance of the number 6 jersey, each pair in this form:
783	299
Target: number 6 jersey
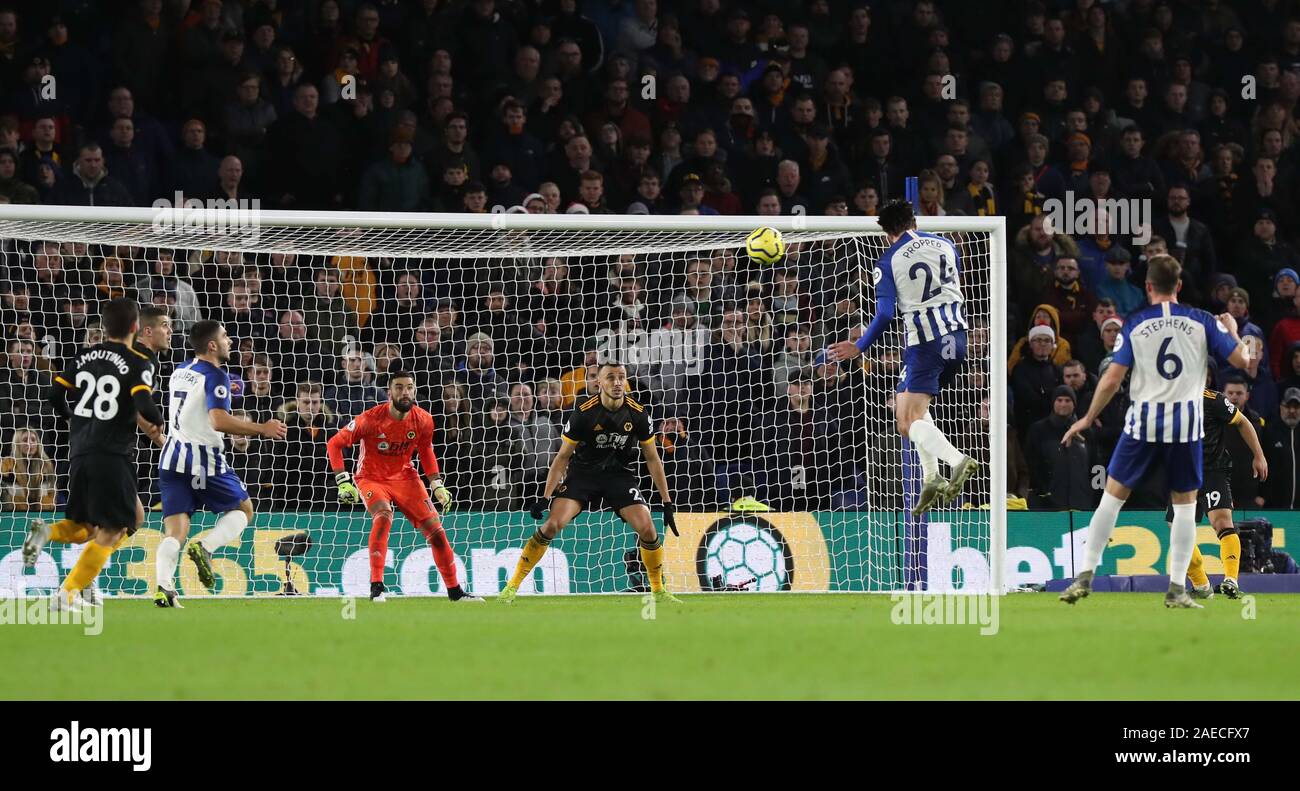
102	382
1167	347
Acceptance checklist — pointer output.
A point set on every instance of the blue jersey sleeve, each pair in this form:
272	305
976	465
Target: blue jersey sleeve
886	302
216	384
1123	353
1217	337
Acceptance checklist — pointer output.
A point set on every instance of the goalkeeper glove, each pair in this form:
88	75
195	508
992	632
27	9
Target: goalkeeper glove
443	495
536	507
348	493
670	518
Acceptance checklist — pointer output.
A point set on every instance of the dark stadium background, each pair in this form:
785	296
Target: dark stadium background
651	108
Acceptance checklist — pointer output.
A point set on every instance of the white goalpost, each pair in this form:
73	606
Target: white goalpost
788	472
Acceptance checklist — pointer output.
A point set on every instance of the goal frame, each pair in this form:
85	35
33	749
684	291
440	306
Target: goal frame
206	217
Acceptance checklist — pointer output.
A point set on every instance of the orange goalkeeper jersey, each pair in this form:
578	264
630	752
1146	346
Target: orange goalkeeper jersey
386	444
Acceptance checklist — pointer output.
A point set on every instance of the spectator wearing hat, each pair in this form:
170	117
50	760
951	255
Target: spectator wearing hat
1281	443
1135	174
390	77
1034	379
1217	298
1116	285
478	370
691	196
1078	157
1263	254
1238	306
397	183
825	172
1047	179
1089	346
12	187
1060	476
1285	283
1189	240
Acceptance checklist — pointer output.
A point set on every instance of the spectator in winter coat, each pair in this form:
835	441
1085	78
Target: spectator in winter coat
1282	448
1059	475
1034	379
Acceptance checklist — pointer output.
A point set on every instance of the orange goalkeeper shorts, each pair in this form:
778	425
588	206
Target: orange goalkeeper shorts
408	496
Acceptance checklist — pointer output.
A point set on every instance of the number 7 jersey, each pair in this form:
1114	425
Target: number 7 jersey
923	273
1167	347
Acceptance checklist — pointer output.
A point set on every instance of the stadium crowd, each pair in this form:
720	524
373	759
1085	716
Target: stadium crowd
648	107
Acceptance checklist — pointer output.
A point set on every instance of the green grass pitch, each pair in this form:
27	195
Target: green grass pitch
718	646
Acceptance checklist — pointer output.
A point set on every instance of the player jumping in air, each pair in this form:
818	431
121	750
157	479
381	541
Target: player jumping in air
1167	345
1215	497
596	462
919	277
386	478
154	336
110	384
192	470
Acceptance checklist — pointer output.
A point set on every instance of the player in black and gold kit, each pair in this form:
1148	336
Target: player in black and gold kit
597	463
154	337
1215	497
101	392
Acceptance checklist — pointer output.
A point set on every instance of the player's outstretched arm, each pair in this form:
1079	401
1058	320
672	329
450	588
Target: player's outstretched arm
1251	437
656	467
555	474
227	423
1106	390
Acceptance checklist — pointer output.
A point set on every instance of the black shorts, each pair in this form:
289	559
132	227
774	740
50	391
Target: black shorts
1215	493
102	491
617	489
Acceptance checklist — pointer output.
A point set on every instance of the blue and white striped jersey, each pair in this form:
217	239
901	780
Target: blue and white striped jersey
1167	347
923	273
193	445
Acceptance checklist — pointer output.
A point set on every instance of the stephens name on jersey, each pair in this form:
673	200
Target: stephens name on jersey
193	446
104	381
607	440
922	273
1167	348
387	444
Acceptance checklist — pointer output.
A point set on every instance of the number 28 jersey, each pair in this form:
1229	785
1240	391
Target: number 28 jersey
1167	347
923	273
103	381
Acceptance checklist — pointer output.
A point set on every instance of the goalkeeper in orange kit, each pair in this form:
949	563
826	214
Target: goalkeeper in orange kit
386	479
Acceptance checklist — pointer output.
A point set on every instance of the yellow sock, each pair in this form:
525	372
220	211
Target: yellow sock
533	551
652	557
1230	551
1196	571
67	531
92	559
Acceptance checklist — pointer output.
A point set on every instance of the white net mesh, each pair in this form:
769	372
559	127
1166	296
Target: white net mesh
503	327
